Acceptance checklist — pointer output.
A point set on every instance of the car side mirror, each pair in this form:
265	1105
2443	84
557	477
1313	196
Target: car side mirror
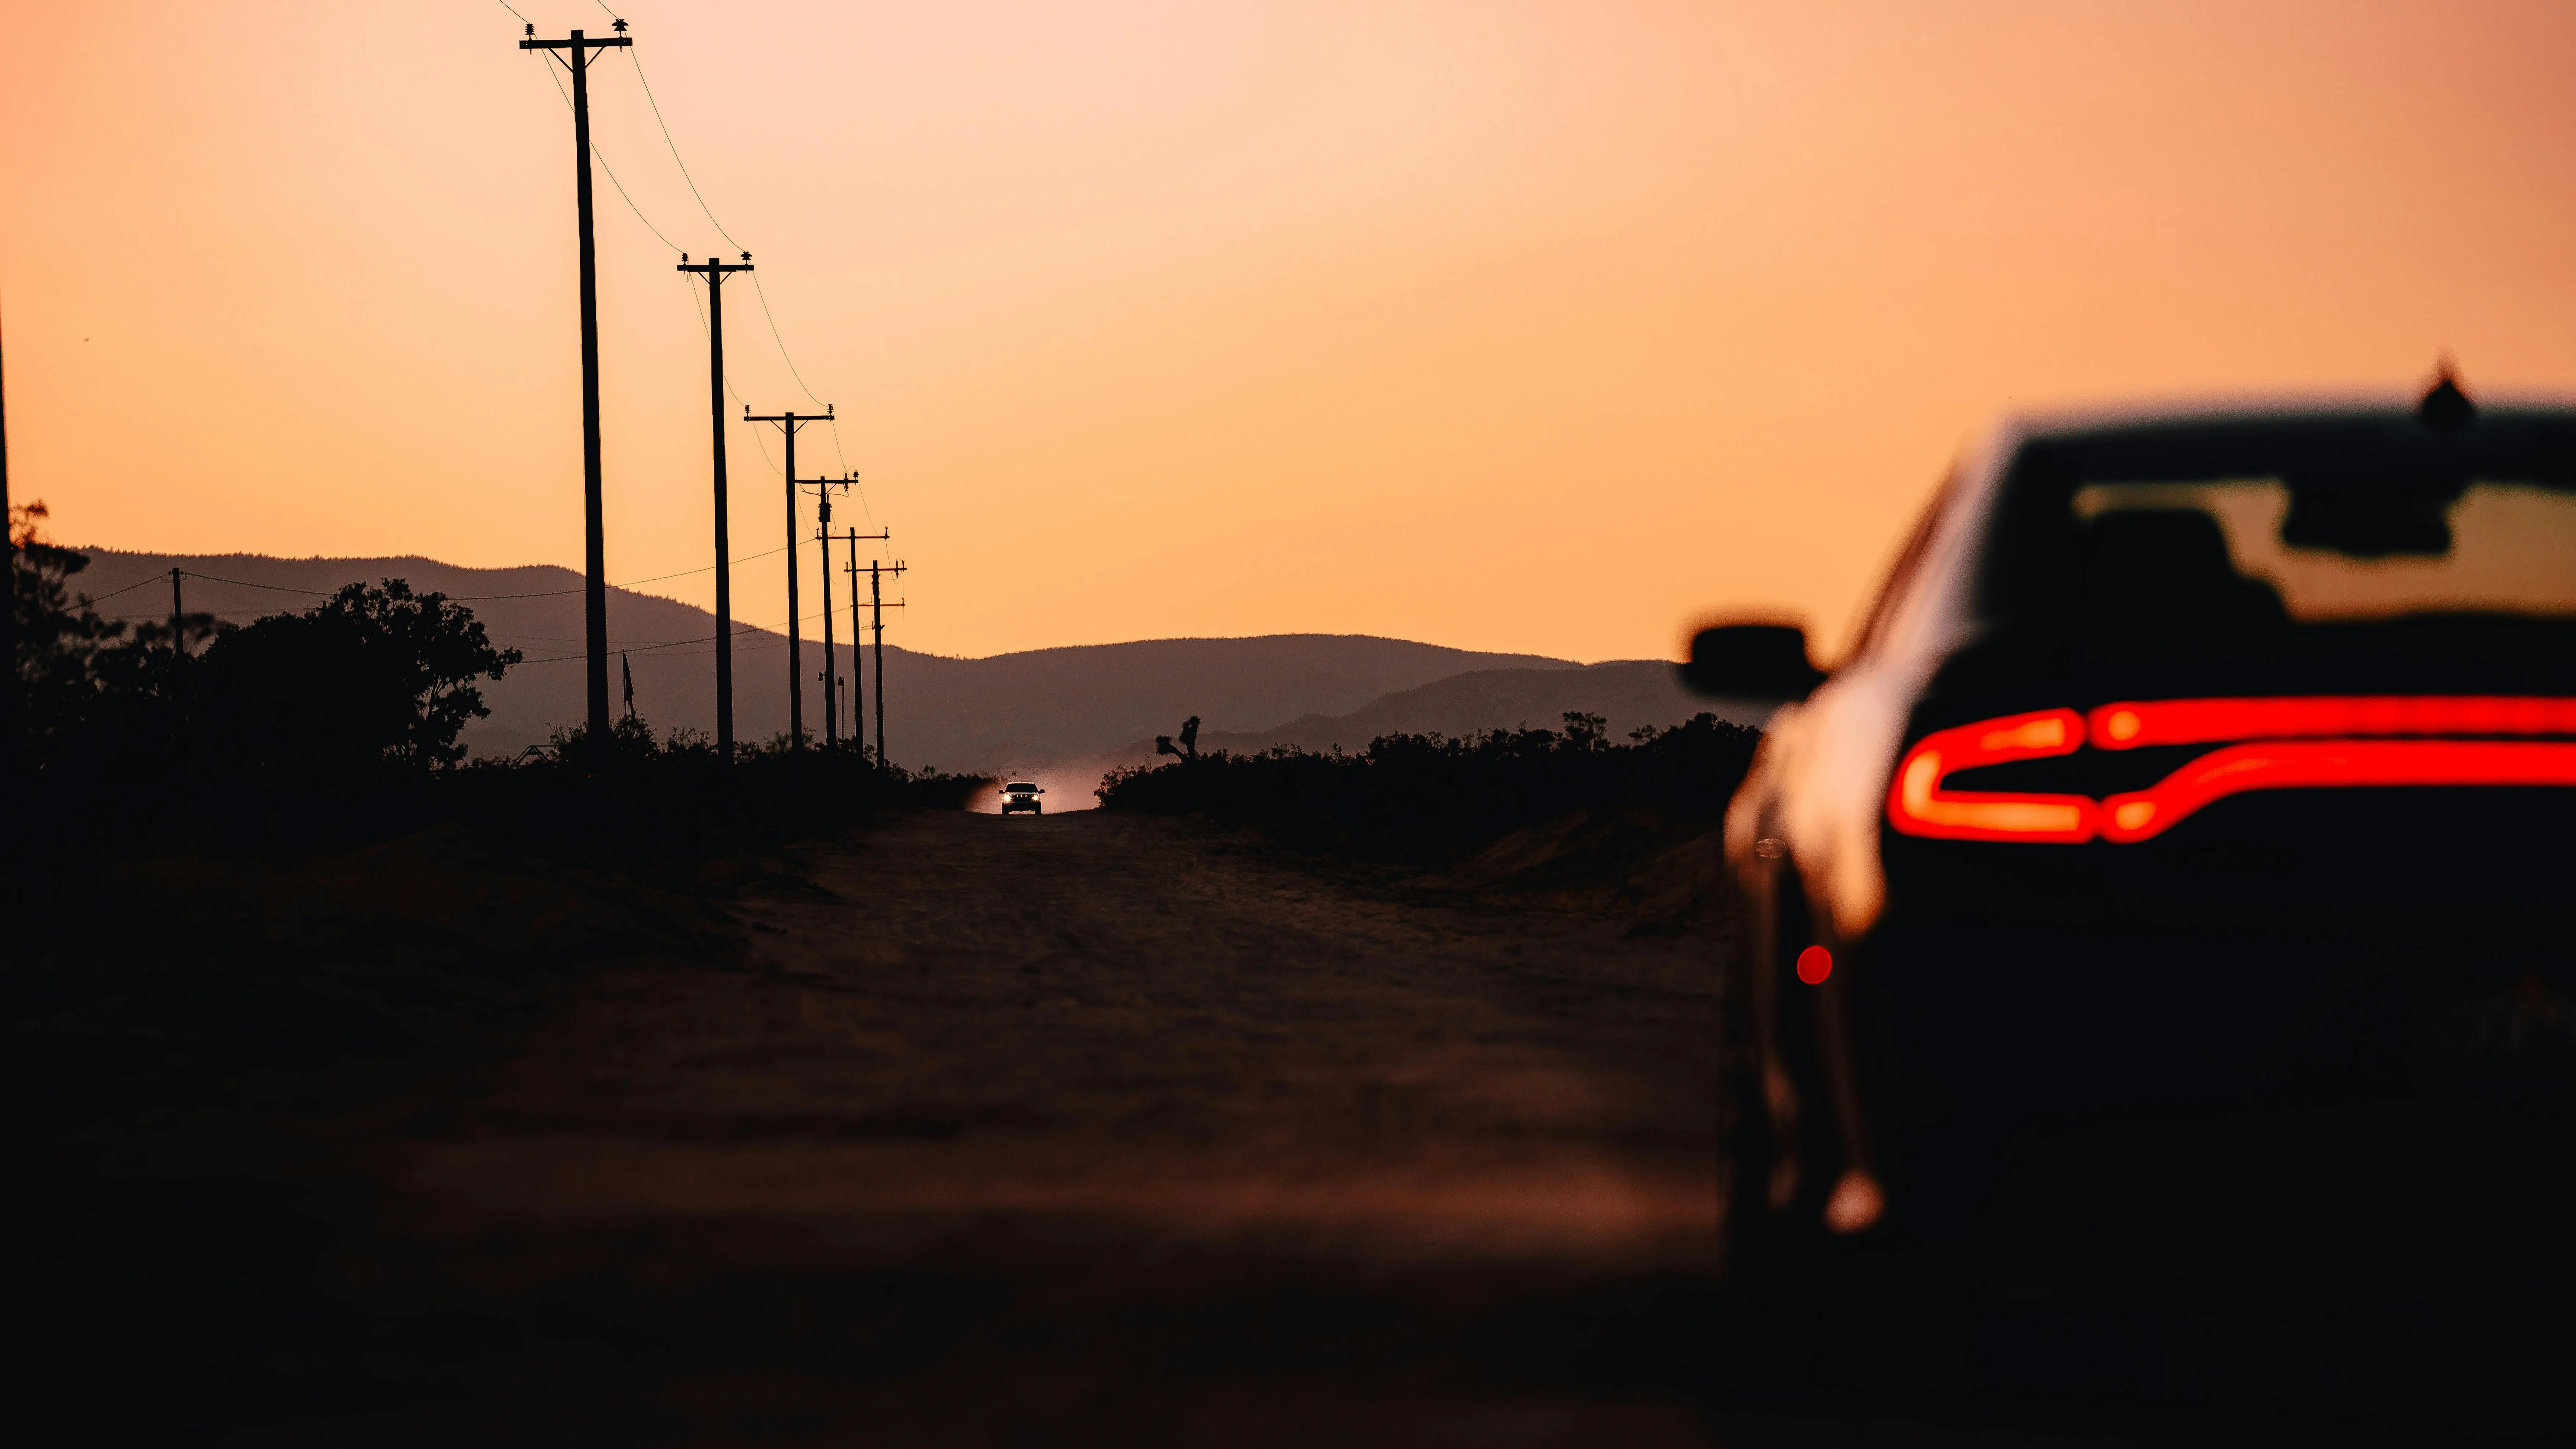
1751	661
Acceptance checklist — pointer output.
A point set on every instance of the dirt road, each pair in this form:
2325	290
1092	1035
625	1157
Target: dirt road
1113	1018
1085	1128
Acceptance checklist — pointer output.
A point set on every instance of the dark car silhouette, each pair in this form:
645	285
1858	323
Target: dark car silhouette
2164	913
1021	796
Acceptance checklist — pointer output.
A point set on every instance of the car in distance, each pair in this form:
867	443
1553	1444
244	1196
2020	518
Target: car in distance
1019	796
2164	913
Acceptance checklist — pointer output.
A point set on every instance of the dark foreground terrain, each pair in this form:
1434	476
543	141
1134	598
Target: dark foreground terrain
963	1130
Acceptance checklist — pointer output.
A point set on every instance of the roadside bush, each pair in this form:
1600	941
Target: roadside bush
669	803
1426	799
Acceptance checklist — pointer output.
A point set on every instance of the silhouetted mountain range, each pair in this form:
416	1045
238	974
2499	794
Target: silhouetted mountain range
1629	693
1022	711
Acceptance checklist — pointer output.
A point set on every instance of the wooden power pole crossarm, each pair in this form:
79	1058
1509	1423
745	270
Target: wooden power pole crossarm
595	583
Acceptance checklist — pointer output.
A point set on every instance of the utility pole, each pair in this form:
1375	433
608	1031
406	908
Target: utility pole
178	617
876	600
788	423
858	647
716	272
595	590
823	535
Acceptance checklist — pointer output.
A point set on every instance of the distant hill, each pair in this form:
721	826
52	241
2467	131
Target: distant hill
1018	710
1054	704
1629	693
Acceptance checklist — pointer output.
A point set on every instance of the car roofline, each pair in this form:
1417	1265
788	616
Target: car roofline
2185	411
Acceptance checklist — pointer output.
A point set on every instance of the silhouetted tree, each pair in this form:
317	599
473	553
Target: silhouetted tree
58	637
372	677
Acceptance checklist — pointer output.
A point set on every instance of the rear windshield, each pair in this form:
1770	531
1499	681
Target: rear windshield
2255	527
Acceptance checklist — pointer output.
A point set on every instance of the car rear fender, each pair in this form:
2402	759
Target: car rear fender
1820	775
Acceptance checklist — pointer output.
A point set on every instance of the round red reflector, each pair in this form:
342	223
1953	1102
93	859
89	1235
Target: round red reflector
1815	964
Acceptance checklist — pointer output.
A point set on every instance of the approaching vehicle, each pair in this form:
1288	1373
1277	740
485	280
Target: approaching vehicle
2165	911
1022	797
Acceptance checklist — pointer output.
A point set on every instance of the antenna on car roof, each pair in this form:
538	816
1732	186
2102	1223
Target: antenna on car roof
2445	407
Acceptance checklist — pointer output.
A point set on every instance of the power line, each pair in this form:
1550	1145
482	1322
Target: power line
675	147
739	633
602	159
780	338
775	334
856	486
96	599
736	394
627	584
770	317
92	602
486	598
657	578
164	613
838	455
698	305
730	390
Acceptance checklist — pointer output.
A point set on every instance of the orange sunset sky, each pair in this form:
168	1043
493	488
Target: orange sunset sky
1526	327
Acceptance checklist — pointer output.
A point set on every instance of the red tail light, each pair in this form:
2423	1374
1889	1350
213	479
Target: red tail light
2128	725
2290	764
1919	806
2295	743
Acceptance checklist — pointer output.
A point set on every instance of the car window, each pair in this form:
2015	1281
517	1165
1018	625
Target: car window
2495	548
2250	528
1901	573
